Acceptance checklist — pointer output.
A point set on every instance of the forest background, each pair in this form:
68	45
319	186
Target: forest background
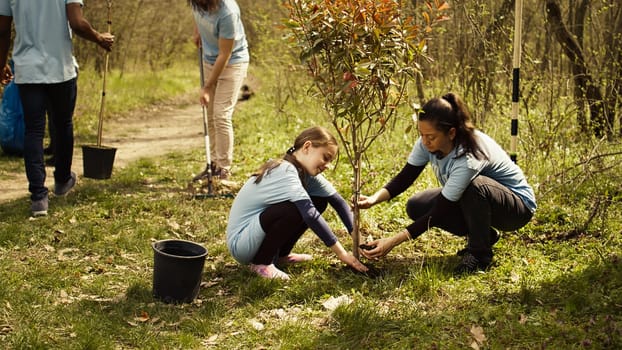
571	72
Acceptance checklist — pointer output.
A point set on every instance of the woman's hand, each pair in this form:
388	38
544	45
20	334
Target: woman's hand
381	247
365	202
204	97
381	195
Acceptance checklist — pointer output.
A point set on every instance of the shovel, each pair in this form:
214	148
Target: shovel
207	173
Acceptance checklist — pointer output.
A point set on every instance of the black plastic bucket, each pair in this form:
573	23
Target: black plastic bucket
97	161
177	270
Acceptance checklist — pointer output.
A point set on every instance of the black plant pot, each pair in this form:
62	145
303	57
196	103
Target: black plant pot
98	161
177	270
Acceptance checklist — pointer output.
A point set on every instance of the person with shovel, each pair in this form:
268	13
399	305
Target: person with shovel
482	189
281	200
219	32
46	74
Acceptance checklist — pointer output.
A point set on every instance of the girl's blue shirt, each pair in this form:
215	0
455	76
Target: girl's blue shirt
244	232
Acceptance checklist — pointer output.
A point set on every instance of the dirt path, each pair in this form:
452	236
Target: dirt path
149	134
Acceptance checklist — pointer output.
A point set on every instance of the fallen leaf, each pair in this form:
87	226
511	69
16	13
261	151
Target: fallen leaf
478	334
144	317
5	328
213	340
62	254
64	297
257	325
332	303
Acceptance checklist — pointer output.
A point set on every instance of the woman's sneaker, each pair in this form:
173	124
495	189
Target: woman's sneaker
493	238
269	271
294	258
472	263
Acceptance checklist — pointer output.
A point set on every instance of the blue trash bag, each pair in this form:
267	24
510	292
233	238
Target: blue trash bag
11	121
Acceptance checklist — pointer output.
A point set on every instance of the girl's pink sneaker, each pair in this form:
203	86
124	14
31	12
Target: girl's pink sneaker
269	271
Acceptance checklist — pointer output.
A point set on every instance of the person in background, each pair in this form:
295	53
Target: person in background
46	74
482	189
281	200
220	33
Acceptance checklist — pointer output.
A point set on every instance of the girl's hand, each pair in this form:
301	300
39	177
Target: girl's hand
353	262
348	258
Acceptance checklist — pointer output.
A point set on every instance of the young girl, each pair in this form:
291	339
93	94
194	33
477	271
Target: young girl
482	188
284	198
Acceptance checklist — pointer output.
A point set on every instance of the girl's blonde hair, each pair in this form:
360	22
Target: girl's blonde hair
319	137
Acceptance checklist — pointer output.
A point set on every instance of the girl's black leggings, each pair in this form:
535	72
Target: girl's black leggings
283	226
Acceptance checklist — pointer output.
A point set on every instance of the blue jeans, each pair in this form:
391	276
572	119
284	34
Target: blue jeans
485	204
59	101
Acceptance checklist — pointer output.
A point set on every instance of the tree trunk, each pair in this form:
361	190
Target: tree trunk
613	54
356	190
577	21
582	78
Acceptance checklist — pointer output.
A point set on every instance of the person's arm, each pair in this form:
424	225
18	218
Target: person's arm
225	48
343	210
5	43
316	222
393	188
83	28
384	245
403	179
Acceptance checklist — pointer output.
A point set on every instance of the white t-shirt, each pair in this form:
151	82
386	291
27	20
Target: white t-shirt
42	51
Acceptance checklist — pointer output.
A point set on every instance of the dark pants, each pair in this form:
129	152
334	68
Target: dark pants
60	100
283	226
484	204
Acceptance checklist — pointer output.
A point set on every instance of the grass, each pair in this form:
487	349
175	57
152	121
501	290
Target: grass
81	278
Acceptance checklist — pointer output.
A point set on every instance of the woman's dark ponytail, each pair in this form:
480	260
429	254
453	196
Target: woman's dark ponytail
449	111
